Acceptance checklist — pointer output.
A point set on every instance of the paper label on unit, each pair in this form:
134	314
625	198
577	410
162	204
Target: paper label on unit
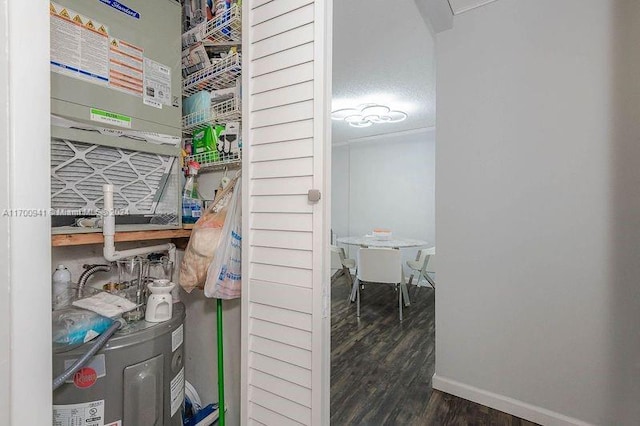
126	67
112	118
118	423
157	84
97	363
85	414
79	45
177	337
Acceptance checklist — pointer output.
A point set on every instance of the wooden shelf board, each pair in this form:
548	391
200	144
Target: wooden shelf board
63	240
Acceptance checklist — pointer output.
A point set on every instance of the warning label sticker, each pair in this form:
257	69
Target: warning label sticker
157	84
79	45
86	414
177	337
177	391
126	67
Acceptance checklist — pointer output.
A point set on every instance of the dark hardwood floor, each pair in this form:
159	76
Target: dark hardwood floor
381	369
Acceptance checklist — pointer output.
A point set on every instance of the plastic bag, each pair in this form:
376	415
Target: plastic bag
73	327
224	274
204	240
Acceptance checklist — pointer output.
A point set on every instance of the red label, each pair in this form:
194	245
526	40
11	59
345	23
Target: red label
85	377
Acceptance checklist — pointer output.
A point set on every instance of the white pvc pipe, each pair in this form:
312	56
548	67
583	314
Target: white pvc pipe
109	231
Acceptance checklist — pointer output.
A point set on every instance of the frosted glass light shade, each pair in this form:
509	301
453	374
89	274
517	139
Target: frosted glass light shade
368	114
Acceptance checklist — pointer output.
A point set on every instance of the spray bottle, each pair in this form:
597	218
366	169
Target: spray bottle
191	200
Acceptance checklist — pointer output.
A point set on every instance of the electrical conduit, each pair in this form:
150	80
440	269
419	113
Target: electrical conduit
84	359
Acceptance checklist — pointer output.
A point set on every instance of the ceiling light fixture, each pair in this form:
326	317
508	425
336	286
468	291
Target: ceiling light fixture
368	114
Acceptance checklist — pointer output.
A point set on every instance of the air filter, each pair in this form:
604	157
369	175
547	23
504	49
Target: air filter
78	171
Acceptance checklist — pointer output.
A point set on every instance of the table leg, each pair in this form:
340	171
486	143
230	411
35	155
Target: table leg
403	288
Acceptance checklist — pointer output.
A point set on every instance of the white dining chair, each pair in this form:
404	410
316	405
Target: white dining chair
380	265
340	265
423	266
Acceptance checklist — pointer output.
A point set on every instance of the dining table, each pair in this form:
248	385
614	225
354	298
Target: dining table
371	241
377	242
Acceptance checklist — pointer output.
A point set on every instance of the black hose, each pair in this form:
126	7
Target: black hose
99	343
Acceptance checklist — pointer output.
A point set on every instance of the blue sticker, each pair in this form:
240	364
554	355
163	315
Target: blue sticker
122	8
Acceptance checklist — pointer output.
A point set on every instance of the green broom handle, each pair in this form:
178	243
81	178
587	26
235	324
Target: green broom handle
220	364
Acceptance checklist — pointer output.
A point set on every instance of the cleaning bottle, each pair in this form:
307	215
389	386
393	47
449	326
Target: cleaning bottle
60	284
191	200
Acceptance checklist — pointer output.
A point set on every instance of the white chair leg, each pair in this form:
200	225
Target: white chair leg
423	272
357	300
429	279
347	272
405	292
411	277
354	289
400	302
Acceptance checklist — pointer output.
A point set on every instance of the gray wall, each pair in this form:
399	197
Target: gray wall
386	182
538	207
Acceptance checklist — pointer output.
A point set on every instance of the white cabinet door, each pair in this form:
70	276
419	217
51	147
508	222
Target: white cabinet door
286	138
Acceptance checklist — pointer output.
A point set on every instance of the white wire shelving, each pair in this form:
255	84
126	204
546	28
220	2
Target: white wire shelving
219	113
219	75
211	161
225	28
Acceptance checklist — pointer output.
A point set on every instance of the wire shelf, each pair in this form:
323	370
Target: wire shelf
226	28
219	113
207	161
220	75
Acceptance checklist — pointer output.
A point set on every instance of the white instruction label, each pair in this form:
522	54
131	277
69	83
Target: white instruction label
157	84
118	423
87	414
177	391
177	337
79	45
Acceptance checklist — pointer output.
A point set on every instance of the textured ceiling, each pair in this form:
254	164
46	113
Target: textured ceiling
386	55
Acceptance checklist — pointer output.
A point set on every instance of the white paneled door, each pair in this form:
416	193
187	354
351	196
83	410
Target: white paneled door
286	138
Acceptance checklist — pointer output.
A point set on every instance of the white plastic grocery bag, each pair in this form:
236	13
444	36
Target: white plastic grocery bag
204	241
224	279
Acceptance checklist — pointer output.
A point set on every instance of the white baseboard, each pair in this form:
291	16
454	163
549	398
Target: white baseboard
503	403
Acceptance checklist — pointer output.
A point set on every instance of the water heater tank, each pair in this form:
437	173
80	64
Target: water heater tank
137	379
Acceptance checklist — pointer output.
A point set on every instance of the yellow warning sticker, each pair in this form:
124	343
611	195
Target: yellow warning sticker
77	49
102	29
52	9
114	42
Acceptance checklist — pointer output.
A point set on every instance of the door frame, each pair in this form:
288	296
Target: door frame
25	227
